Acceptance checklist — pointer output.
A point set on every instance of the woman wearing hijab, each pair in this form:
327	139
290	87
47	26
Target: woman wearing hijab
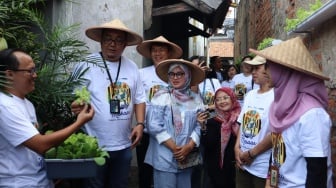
157	49
172	123
219	137
299	122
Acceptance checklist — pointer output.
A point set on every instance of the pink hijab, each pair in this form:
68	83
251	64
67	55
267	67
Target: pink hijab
294	94
228	120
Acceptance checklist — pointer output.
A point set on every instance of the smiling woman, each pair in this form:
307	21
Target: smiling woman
218	138
171	122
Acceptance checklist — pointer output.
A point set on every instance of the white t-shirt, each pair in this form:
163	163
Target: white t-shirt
207	89
242	85
113	130
19	166
254	126
308	137
151	82
228	83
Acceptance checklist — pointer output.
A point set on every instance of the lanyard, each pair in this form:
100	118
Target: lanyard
108	73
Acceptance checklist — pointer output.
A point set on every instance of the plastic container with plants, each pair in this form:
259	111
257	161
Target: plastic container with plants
79	155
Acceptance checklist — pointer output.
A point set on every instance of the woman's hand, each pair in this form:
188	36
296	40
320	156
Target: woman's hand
76	107
86	114
183	151
238	153
201	118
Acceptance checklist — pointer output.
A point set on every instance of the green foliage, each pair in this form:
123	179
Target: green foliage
83	95
53	49
301	15
266	42
78	146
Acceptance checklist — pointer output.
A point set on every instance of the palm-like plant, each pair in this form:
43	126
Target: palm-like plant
53	50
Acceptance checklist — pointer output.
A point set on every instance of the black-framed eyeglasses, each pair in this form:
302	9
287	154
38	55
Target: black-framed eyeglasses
177	75
30	71
117	41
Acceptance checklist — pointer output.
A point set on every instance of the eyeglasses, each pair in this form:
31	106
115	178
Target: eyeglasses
177	75
224	98
117	41
30	71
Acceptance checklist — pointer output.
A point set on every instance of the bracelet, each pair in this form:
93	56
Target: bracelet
249	153
140	123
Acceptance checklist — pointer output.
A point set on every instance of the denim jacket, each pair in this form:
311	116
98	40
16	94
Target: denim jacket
161	128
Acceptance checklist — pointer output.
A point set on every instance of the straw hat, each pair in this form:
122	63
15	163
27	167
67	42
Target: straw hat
257	60
95	33
197	74
145	48
292	54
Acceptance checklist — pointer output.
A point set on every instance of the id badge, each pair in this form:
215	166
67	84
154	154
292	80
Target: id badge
274	176
115	106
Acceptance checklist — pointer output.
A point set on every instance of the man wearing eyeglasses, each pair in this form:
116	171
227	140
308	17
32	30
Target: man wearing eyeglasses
21	145
116	93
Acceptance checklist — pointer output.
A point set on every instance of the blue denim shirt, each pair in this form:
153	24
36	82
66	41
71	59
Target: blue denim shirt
160	129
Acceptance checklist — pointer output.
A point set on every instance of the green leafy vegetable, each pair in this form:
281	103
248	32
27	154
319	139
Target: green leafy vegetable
301	15
83	96
266	42
78	146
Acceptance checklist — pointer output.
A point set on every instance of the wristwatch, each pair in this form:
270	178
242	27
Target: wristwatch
140	123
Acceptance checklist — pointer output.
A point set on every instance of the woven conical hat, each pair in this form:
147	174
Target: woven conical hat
292	54
95	33
197	74
145	48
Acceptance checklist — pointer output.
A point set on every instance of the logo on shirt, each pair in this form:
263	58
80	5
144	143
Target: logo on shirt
251	124
240	90
208	98
122	92
153	90
278	150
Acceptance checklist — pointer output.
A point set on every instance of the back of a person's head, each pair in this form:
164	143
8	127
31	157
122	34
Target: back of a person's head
193	58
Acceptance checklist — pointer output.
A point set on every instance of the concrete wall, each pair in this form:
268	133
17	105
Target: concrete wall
93	13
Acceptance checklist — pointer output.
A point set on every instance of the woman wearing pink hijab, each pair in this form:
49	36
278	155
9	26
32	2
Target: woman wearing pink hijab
299	122
219	137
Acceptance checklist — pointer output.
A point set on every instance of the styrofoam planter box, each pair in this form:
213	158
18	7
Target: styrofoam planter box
71	168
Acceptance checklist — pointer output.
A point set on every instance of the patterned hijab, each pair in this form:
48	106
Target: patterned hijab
294	94
180	96
228	120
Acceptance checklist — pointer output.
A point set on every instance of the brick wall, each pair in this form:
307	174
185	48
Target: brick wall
266	18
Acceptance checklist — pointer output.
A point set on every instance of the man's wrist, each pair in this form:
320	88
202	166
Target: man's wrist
140	123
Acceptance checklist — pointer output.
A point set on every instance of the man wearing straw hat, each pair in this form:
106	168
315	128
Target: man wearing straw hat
299	123
157	49
116	92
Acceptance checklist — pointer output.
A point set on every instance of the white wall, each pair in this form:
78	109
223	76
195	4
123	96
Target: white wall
93	13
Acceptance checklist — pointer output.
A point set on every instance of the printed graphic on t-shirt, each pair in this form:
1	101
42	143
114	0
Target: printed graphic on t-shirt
240	90
153	90
122	92
278	150
251	124
208	98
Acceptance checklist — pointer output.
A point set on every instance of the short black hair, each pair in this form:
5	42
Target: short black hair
245	57
8	60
